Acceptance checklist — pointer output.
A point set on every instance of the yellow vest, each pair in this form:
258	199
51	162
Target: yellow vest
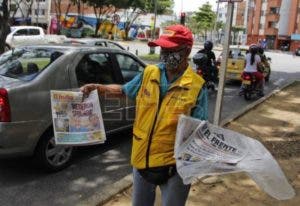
154	129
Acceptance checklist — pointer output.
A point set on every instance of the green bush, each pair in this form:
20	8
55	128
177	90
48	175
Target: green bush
150	57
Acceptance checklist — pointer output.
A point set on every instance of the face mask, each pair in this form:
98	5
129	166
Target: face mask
171	59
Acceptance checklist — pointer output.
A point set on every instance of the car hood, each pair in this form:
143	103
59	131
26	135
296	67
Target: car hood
6	82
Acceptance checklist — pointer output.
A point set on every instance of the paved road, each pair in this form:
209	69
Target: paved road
21	183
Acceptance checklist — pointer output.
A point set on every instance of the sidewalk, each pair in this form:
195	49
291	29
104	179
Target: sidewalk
276	123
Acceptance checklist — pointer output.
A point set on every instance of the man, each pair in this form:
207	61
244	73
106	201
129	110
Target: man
162	92
211	63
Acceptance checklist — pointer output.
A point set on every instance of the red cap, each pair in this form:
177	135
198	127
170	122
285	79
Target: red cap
174	36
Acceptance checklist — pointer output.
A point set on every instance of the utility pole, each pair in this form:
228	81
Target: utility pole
215	25
218	108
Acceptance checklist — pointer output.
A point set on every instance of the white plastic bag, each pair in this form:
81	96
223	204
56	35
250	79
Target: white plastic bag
204	149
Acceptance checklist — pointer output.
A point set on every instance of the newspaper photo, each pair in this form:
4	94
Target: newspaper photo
204	149
77	120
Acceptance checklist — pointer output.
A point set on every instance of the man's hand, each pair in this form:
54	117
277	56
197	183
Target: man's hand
110	89
86	89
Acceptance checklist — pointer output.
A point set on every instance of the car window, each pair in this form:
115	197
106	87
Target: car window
26	63
100	43
114	46
127	63
95	68
34	32
21	32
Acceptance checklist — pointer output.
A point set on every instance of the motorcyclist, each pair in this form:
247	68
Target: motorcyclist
211	59
253	62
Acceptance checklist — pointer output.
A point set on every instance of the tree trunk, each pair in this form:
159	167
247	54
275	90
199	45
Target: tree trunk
97	26
4	26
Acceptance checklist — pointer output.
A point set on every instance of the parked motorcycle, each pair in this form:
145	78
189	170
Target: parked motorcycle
249	86
200	60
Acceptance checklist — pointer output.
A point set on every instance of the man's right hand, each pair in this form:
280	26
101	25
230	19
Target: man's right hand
86	89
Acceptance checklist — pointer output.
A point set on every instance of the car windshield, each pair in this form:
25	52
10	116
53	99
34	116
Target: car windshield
26	63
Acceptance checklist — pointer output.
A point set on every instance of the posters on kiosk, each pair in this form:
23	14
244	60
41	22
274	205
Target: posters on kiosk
77	120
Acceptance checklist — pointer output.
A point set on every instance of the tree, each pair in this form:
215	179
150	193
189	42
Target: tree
138	7
194	27
235	30
58	12
101	9
4	25
219	27
205	18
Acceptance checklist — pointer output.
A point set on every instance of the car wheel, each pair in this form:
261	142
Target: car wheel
50	156
267	76
247	94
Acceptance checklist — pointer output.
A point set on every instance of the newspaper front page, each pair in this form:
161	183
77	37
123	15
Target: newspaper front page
204	149
77	120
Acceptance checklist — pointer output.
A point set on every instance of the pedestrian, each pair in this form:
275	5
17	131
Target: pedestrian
162	92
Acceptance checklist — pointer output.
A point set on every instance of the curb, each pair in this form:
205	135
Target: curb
254	104
101	197
109	191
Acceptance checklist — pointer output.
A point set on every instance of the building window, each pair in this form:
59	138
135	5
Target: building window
272	24
274	10
39	12
262	13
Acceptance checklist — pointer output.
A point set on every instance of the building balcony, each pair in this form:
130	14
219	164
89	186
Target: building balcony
271	31
274	3
272	17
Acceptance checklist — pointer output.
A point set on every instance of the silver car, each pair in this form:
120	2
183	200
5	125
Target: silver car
27	75
95	42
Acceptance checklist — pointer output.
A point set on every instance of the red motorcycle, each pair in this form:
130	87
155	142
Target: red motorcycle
249	86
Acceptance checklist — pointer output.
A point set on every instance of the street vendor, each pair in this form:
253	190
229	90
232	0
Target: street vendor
162	92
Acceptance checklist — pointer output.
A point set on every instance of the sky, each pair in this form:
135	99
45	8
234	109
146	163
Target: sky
191	5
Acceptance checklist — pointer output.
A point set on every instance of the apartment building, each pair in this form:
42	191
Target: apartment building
277	21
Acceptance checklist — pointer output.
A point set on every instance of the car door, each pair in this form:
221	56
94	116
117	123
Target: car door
34	36
19	37
98	68
129	67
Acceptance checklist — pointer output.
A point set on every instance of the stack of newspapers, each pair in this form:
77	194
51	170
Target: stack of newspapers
204	149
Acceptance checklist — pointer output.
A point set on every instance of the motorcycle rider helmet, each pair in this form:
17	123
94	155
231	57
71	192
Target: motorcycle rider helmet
208	45
260	50
200	59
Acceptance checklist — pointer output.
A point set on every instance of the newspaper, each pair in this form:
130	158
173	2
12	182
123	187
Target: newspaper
204	149
77	120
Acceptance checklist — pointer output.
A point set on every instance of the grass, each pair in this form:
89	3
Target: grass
150	57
